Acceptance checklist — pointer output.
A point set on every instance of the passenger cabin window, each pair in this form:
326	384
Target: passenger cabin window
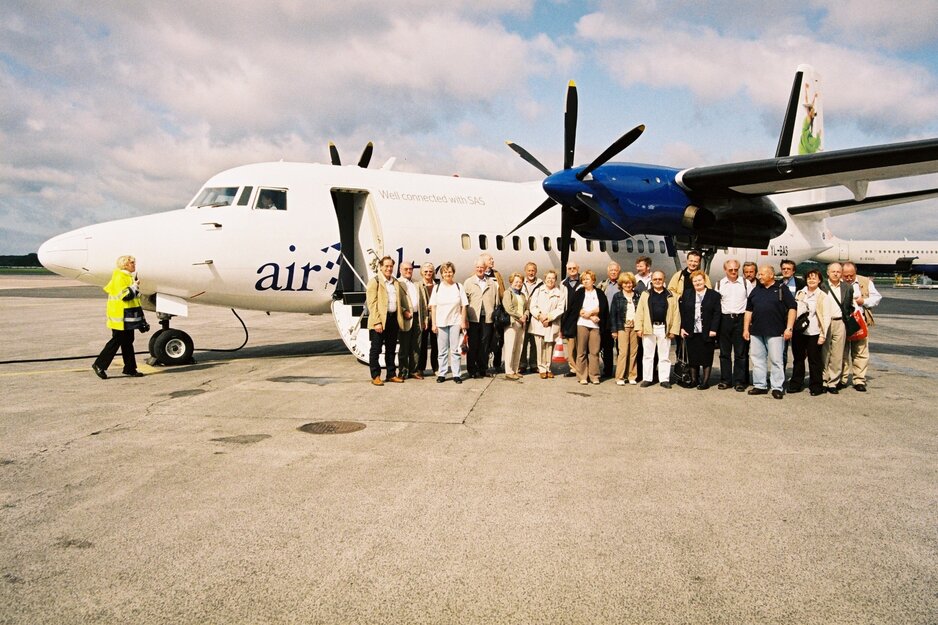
483	242
662	248
629	247
615	247
547	246
499	242
215	196
516	243
602	246
466	242
589	245
532	243
272	199
641	247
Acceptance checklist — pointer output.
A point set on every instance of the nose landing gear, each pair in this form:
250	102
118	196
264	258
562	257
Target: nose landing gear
169	346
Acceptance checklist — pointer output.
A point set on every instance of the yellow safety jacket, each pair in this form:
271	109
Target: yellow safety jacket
123	303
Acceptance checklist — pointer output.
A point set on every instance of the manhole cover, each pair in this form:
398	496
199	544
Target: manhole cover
331	427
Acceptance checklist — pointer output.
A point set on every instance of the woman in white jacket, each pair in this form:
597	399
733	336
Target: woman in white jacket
548	304
814	305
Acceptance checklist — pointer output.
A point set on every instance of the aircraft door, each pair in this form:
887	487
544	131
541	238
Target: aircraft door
362	243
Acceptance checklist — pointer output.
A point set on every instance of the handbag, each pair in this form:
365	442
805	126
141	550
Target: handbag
681	369
500	317
802	323
856	326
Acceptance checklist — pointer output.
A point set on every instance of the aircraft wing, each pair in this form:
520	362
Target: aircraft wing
847	207
852	168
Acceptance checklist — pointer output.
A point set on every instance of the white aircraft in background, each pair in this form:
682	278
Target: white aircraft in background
301	237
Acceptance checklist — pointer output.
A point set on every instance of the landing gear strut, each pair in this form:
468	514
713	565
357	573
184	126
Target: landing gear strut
169	346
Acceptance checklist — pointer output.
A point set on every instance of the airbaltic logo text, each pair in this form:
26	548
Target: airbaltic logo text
273	277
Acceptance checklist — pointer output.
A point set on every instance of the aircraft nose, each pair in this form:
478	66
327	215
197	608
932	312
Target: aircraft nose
65	254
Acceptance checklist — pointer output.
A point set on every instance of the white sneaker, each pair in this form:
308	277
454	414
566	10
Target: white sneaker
584	382
632	382
620	382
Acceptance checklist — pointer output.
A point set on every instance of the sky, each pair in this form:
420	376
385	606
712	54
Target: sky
114	109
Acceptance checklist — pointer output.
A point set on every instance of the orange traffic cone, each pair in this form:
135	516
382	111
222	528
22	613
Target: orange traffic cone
558	351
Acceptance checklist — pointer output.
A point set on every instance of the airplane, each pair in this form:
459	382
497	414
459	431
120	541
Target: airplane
903	257
306	237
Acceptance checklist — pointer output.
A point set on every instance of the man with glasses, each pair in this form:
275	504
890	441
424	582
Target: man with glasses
657	321
427	337
794	284
568	321
409	336
734	350
857	353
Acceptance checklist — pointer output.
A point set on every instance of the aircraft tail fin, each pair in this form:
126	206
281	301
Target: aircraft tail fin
803	128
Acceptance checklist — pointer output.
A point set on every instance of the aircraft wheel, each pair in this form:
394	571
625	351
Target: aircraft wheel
173	347
151	347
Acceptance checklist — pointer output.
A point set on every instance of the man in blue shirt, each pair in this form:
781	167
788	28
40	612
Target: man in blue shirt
770	317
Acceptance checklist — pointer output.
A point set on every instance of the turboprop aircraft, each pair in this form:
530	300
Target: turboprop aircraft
305	237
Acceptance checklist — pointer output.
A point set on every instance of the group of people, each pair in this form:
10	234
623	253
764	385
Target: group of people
623	326
607	327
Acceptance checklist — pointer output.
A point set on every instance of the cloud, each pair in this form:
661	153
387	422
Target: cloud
858	84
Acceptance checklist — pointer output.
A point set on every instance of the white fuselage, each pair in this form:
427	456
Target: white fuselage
288	260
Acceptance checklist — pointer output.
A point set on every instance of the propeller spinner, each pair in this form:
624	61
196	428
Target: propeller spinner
558	186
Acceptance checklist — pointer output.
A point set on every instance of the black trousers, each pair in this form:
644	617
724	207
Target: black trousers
607	345
124	340
428	339
386	340
801	346
480	338
734	351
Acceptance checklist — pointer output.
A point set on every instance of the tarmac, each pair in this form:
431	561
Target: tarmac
192	495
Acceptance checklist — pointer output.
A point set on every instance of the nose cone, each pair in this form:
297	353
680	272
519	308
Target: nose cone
65	254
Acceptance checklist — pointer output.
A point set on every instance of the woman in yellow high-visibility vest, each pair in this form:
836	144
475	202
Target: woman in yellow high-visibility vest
124	315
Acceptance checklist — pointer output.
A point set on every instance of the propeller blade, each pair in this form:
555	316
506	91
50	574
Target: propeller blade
566	227
617	146
527	156
569	126
366	155
334	154
594	206
545	205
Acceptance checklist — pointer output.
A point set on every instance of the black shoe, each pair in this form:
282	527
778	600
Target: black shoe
665	385
457	379
740	388
817	391
703	387
794	389
133	374
758	391
841	385
98	371
777	394
569	374
860	387
723	386
833	390
646	384
440	379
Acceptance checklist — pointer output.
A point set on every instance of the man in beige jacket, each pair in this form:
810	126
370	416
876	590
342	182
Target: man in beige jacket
389	312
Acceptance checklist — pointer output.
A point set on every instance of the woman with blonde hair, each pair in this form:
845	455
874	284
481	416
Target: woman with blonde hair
547	306
592	309
622	320
515	303
124	315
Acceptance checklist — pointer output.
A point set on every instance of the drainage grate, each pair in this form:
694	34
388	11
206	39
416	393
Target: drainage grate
331	427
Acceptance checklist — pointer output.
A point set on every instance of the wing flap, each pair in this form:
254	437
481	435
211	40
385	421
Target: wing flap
846	207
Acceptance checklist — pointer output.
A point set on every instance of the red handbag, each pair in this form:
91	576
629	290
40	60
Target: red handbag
858	321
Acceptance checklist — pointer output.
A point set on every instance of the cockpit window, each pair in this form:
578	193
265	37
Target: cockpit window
215	196
272	199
